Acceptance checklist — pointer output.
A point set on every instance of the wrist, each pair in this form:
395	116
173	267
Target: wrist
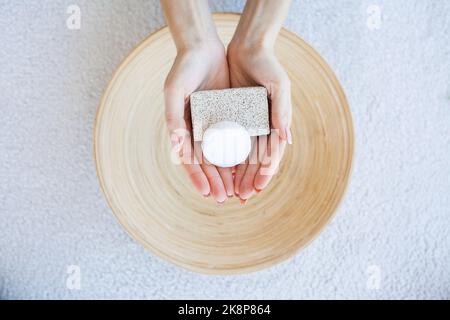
242	48
190	23
194	40
260	24
212	47
250	43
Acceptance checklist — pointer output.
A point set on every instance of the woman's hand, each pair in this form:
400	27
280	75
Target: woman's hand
252	61
201	64
203	67
259	66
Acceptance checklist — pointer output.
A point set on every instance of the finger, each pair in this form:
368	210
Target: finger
215	180
227	178
198	179
174	112
240	171
193	169
281	107
246	188
270	162
179	134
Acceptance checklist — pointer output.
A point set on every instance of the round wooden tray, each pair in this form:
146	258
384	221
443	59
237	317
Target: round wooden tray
156	203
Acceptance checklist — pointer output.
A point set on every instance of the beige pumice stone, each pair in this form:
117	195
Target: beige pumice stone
248	107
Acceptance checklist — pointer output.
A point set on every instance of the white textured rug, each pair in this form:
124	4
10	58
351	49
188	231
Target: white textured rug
389	239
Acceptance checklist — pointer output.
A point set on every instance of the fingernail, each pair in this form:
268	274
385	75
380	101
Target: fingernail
174	143
174	137
289	135
258	190
281	133
220	203
181	139
243	202
174	140
177	148
230	195
207	195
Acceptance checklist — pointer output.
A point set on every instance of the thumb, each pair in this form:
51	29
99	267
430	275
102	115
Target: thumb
281	108
174	111
177	132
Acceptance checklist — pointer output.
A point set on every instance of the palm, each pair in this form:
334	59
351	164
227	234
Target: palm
261	68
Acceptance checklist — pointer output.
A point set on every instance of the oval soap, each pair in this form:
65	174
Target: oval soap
226	144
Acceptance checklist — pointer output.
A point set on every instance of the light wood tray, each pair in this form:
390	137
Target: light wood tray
156	203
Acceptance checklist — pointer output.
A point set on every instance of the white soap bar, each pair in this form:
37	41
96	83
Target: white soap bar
226	144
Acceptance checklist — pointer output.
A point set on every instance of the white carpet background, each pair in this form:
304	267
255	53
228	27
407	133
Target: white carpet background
394	221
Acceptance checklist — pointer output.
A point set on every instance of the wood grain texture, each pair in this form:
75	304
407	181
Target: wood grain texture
153	198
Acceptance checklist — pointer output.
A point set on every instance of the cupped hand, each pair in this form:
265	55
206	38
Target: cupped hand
203	67
251	66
